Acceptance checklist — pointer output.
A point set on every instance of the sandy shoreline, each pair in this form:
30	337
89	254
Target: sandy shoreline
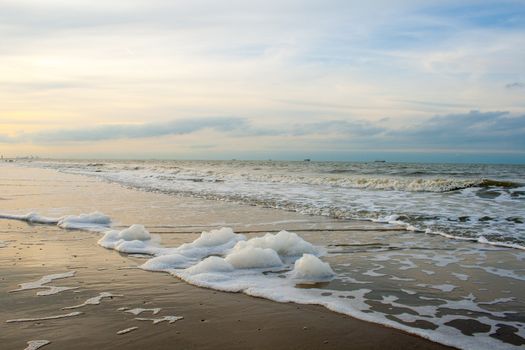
211	319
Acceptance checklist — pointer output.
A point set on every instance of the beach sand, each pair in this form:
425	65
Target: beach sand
211	319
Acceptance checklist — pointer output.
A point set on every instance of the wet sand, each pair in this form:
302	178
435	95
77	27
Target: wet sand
211	319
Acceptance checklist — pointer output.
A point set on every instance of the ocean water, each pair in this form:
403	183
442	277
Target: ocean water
448	265
478	202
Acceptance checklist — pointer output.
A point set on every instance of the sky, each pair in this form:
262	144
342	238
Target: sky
328	80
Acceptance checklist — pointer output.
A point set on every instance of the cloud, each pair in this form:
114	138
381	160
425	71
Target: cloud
487	130
357	128
235	127
516	85
436	104
130	131
6	139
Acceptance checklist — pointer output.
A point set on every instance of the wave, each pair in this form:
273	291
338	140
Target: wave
406	180
402	221
408	184
489	207
480	239
498	183
487	183
404	184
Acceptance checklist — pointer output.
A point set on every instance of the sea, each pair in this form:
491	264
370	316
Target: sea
439	253
479	202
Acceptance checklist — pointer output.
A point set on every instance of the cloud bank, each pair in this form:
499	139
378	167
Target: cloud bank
131	131
491	131
488	130
516	85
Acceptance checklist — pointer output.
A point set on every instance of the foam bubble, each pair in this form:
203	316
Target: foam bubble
284	243
310	268
166	262
212	238
90	221
210	265
134	232
212	242
134	239
249	258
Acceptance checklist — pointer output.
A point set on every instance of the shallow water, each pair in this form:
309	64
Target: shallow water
471	201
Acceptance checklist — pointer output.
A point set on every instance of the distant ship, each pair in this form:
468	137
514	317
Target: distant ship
307	160
379	161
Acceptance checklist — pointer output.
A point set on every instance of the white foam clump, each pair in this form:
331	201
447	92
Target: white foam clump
36	344
93	221
134	239
311	268
212	238
223	260
283	243
30	217
255	253
214	242
211	264
165	262
243	268
248	257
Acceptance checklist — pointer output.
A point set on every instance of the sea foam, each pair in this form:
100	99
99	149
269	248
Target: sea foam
134	239
224	260
42	283
93	221
274	265
310	268
36	344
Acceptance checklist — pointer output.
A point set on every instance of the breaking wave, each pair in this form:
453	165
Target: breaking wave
469	201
